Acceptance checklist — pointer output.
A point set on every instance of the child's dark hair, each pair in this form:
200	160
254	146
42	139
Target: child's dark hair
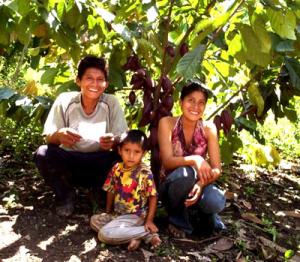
92	62
194	86
134	136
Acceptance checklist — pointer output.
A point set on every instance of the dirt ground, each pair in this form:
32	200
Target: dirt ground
262	216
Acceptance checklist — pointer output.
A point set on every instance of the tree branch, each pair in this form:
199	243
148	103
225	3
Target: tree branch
163	70
243	88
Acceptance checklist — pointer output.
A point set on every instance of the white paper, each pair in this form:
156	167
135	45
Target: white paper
92	131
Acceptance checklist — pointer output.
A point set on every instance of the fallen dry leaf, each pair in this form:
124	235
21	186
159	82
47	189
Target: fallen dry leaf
270	244
246	204
199	257
252	217
295	213
231	195
147	254
223	244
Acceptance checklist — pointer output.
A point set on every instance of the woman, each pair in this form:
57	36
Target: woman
186	189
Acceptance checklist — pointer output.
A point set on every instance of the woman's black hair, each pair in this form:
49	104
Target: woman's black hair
134	136
92	62
192	87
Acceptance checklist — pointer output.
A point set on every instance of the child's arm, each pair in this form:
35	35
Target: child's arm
149	225
110	202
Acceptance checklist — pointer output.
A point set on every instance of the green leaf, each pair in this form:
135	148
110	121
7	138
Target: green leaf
293	67
288	254
91	21
23	33
285	46
235	48
4	37
263	36
290	114
252	47
60	8
283	23
23	7
256	98
190	63
6	93
49	76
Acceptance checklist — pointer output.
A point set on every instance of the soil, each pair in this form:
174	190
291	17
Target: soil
262	216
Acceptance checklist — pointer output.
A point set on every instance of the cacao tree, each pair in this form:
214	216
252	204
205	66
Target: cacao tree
245	51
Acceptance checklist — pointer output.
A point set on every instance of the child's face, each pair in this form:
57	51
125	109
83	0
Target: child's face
131	154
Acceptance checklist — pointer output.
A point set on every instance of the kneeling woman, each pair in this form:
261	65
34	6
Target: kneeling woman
186	188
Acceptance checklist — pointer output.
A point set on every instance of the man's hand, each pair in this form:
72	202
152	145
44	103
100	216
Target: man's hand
193	195
150	227
106	141
67	137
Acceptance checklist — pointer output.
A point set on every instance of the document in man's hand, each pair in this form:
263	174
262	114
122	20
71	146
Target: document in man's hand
92	131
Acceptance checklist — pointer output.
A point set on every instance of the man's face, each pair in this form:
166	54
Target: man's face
92	83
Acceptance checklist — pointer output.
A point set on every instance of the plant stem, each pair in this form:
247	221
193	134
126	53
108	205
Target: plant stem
20	63
243	88
163	69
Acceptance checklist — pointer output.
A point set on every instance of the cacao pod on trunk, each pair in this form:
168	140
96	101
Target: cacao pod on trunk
184	48
132	63
166	84
227	120
132	97
168	102
170	50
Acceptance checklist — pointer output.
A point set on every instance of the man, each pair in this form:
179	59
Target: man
81	131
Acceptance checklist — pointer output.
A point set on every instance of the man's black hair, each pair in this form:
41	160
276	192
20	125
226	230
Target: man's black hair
92	62
134	136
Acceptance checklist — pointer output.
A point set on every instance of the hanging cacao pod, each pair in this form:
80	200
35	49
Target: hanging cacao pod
184	48
170	51
152	115
137	81
141	72
153	138
218	123
166	84
168	102
132	63
164	111
132	97
145	120
148	83
227	120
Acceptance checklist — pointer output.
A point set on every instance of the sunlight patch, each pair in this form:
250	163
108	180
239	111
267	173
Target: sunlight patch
68	230
43	244
8	236
88	245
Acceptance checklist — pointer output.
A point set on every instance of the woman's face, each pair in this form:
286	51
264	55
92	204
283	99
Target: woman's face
193	105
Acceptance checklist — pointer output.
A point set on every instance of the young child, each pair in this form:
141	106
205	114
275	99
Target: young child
132	195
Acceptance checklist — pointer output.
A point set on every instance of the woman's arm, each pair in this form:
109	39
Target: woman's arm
213	151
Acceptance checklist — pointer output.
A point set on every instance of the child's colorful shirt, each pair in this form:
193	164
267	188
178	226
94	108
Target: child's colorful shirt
132	188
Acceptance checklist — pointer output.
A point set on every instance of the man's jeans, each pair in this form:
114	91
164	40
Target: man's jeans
63	170
175	189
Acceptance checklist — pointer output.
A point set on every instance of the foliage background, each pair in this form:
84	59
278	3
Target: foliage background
246	52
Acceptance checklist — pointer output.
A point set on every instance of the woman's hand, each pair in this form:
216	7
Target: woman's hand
203	169
193	195
67	137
